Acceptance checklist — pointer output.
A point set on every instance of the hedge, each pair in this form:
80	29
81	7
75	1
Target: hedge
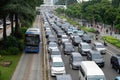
112	40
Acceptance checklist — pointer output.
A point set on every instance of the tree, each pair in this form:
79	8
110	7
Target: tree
116	3
110	15
3	14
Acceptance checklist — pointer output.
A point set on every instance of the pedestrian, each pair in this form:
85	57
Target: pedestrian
106	30
111	33
96	37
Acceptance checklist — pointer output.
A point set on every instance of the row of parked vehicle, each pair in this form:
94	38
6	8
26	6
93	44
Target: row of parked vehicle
62	38
7	23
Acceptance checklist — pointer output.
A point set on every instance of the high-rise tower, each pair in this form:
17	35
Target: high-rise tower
48	2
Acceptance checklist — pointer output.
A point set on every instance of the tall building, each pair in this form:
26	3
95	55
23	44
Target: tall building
48	2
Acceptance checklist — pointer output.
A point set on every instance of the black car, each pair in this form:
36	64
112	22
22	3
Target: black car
76	40
67	47
115	62
75	60
86	38
96	56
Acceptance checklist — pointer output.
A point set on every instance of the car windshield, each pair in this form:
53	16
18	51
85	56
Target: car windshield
99	46
69	47
78	39
57	64
52	45
52	38
55	53
86	47
76	59
95	79
97	56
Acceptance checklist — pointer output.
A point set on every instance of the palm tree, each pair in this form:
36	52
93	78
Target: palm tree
3	14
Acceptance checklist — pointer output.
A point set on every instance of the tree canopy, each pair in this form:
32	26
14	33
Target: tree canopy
103	11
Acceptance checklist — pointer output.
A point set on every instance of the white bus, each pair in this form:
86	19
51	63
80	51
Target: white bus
89	70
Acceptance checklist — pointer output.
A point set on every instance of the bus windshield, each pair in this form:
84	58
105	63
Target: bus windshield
95	79
32	40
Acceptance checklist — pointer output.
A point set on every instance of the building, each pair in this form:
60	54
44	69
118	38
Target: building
48	2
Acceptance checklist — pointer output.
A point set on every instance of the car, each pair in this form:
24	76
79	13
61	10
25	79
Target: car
67	48
117	78
51	38
47	33
80	33
86	38
73	35
64	38
55	53
52	45
60	33
8	22
115	62
64	77
75	60
76	40
96	56
99	47
57	66
69	31
83	48
1	26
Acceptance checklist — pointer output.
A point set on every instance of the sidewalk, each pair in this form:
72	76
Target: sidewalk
103	32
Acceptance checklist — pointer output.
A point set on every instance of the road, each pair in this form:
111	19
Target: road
108	71
30	66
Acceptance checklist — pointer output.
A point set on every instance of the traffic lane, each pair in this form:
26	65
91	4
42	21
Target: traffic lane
73	73
108	71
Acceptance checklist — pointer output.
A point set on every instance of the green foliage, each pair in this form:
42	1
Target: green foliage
21	45
13	51
65	2
7	72
88	29
0	74
11	41
112	40
11	46
3	52
116	3
95	11
59	10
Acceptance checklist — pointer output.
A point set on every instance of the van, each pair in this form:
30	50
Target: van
89	70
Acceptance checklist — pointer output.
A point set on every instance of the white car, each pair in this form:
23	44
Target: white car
57	66
8	22
1	26
99	47
64	38
52	45
55	53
